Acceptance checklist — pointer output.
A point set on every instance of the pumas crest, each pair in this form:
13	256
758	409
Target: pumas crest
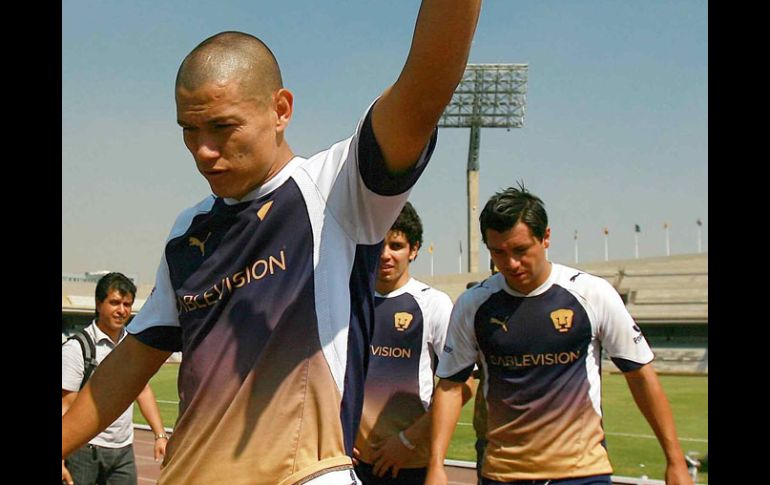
562	319
402	320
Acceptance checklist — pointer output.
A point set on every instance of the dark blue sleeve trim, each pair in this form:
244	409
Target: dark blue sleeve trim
461	376
371	163
164	338
626	365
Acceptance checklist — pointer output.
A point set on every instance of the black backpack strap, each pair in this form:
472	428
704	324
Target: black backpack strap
89	354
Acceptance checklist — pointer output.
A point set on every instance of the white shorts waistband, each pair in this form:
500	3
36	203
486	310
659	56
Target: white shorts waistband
337	477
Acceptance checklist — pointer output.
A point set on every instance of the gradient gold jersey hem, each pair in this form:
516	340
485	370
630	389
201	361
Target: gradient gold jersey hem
548	474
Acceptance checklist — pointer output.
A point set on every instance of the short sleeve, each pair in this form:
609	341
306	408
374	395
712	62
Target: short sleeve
461	349
441	312
356	187
616	329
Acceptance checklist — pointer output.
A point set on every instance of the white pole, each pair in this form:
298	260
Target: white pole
668	242
606	245
700	248
460	260
636	244
576	249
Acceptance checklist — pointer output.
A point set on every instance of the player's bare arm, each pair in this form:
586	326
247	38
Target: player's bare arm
110	390
392	454
447	404
406	114
652	402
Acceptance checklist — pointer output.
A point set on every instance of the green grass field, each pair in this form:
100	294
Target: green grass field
634	451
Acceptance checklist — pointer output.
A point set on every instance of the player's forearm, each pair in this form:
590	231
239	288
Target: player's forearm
445	411
439	52
420	429
112	388
406	114
652	402
98	404
67	398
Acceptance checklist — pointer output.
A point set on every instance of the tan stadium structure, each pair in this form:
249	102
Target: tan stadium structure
667	296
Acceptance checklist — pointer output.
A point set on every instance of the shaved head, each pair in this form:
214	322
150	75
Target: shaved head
229	56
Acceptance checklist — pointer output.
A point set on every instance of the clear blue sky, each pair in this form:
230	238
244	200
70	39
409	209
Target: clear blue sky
616	131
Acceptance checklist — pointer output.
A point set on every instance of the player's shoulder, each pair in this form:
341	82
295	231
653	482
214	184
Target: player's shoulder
424	292
476	295
422	288
581	282
184	219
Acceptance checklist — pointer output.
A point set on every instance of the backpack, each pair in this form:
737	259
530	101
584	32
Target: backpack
89	353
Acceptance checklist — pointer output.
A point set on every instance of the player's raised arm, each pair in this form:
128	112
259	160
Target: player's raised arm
406	114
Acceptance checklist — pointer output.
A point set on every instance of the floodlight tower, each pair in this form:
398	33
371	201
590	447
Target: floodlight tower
488	96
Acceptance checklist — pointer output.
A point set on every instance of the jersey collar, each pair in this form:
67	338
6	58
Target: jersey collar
537	291
398	291
270	185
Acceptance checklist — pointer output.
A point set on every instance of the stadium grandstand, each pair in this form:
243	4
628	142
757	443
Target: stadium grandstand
667	296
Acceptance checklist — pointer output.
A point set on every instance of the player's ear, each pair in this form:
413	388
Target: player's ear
547	237
413	250
284	108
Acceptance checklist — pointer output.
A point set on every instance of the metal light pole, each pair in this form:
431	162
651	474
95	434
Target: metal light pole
488	96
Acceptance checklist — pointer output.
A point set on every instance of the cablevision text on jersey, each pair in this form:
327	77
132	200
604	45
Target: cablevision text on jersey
529	360
255	271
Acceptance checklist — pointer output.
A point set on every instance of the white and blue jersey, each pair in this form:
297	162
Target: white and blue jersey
270	299
541	355
409	333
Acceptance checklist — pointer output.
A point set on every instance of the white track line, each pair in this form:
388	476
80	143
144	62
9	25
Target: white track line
646	436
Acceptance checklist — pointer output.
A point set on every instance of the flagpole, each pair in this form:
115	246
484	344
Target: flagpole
636	245
637	230
460	260
576	248
668	243
700	248
430	250
606	244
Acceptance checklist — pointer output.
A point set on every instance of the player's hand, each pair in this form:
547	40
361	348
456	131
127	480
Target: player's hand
677	474
389	454
436	476
65	475
356	456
